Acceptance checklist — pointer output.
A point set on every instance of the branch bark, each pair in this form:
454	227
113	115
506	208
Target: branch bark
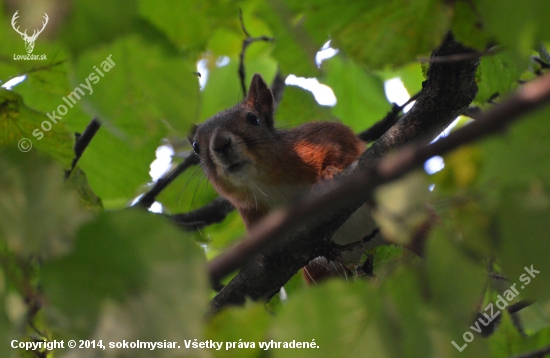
287	244
447	92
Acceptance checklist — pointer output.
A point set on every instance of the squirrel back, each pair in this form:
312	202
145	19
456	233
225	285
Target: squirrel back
257	167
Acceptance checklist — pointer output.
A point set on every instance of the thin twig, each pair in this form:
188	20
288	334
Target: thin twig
247	41
518	306
382	126
41	68
147	199
496	276
460	56
277	88
535	354
82	142
212	213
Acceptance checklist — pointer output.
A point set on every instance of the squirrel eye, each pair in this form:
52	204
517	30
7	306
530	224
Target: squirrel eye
196	148
252	119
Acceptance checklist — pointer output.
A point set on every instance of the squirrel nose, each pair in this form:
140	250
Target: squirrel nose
220	142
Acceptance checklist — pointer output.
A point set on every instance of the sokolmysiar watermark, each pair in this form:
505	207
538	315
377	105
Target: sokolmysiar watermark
55	116
501	303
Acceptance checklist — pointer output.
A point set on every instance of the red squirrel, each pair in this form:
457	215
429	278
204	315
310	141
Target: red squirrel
259	168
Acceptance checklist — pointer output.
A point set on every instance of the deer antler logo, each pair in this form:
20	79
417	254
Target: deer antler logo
29	40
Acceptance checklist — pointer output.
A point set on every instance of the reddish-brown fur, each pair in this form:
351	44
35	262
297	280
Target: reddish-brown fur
280	164
258	168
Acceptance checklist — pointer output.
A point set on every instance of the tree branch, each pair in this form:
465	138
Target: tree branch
148	198
461	56
281	258
379	128
447	92
277	87
247	42
82	141
214	212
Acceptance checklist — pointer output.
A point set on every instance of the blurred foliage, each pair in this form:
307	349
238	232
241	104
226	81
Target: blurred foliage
99	271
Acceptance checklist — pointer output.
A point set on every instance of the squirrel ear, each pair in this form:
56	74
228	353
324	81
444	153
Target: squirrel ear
260	98
192	132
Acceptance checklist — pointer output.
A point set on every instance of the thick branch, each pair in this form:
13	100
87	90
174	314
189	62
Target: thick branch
447	92
262	277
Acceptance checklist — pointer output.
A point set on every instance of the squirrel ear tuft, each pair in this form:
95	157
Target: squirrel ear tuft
192	132
260	98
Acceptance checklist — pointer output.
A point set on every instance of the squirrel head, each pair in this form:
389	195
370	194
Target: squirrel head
231	143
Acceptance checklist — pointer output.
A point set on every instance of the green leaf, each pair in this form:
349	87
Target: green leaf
403	321
517	24
131	276
360	94
292	287
223	87
188	24
144	93
523	223
456	285
222	236
445	260
379	33
508	342
412	78
221	328
519	156
92	23
468	27
23	127
116	170
294	49
389	258
148	94
336	316
349	319
298	106
39	215
533	318
499	75
88	198
189	191
401	207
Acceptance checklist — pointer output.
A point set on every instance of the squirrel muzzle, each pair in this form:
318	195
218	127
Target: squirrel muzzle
227	152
